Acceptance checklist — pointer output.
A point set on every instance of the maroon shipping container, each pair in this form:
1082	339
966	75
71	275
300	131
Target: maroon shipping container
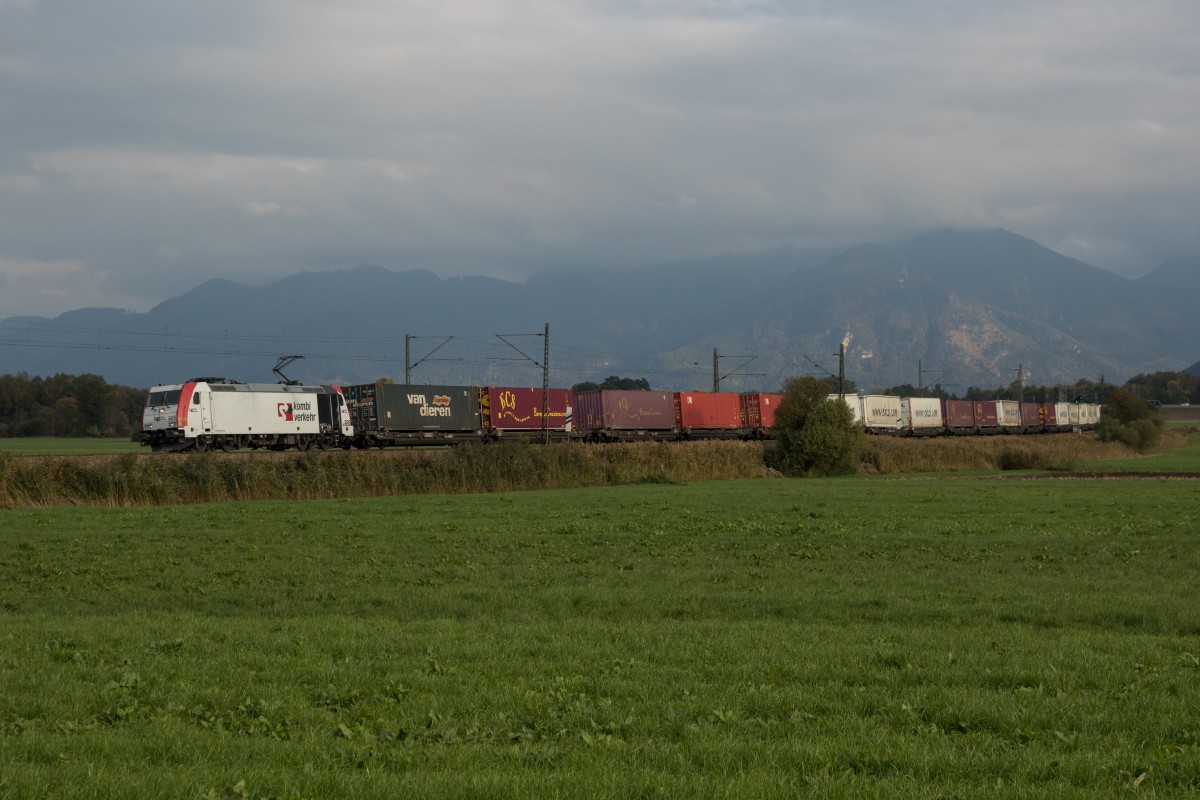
1031	416
959	414
987	416
709	411
758	409
511	408
620	410
1049	417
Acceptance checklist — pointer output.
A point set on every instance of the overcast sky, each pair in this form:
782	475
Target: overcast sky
147	146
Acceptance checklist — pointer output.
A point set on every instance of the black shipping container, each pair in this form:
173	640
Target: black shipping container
401	407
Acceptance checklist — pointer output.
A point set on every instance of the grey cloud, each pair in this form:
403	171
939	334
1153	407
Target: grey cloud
158	145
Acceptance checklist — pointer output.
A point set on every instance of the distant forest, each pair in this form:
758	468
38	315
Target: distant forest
68	405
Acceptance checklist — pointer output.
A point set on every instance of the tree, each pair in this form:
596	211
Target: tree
1128	419
614	382
66	405
66	419
849	386
814	434
96	405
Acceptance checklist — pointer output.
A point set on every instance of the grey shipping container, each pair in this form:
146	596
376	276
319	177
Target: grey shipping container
407	407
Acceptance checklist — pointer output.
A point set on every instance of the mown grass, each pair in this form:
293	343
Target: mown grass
767	638
59	446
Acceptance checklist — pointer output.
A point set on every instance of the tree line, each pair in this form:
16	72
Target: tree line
68	405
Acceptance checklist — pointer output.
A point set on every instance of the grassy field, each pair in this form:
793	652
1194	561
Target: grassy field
55	446
866	637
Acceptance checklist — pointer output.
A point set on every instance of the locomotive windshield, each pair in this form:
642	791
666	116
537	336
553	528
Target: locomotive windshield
169	397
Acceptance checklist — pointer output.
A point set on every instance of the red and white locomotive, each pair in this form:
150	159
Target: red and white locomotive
206	413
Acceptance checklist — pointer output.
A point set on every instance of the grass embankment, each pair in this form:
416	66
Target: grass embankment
743	639
1057	452
211	477
165	479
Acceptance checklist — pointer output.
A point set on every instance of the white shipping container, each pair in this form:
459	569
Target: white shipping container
1073	414
882	412
1008	414
1062	415
921	413
854	403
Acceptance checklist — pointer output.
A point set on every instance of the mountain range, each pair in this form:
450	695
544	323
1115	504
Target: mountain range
959	308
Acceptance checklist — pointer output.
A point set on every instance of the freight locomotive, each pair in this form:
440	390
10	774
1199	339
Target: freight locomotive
212	413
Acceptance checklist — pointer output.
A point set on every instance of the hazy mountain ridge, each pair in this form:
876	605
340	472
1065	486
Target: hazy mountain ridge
1179	273
970	307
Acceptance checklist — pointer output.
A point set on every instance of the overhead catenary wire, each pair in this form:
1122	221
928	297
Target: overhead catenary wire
579	363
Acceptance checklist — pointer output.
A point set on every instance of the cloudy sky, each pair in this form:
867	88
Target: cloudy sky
146	146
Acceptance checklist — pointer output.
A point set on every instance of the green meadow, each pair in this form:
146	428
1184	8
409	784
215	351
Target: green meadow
861	637
67	446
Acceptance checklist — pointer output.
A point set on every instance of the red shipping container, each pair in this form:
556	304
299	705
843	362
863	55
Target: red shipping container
511	408
1049	417
1031	416
616	409
758	409
709	411
986	415
959	414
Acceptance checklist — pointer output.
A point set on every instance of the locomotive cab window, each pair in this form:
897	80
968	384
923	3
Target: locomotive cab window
196	398
168	398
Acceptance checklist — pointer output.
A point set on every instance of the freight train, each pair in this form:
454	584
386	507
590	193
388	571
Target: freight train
930	416
213	413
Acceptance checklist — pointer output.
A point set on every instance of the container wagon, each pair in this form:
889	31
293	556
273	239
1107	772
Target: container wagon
613	415
708	415
1033	418
758	414
854	403
396	414
987	417
1008	416
881	414
508	411
922	416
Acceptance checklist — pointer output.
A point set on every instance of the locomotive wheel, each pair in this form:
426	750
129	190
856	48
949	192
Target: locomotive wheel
201	445
325	444
228	445
302	444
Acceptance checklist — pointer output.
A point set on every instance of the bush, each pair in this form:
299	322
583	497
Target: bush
814	434
1129	420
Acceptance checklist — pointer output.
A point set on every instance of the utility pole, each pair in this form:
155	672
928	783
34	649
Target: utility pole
545	365
842	371
408	362
546	385
1020	383
922	372
718	377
